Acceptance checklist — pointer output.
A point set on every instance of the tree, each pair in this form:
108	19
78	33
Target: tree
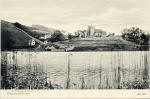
57	36
135	35
70	36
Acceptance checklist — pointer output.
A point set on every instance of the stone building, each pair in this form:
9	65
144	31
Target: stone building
90	32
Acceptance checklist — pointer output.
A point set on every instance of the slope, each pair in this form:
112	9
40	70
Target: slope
13	38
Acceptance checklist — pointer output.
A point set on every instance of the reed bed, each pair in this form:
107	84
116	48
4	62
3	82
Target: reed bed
120	71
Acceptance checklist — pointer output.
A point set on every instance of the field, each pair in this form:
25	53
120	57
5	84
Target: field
100	44
83	70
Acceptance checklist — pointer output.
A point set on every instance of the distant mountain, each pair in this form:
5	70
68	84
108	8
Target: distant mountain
37	30
43	28
12	38
34	31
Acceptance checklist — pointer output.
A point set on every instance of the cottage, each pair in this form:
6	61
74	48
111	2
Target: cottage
50	48
69	48
44	36
45	42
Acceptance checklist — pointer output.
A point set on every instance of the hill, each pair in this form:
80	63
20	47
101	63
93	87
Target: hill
43	29
35	30
99	44
13	37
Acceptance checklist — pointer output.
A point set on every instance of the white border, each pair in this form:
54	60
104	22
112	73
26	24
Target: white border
75	94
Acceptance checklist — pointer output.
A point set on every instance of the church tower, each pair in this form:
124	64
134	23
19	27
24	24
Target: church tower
90	31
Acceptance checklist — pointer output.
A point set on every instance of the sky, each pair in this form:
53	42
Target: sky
71	15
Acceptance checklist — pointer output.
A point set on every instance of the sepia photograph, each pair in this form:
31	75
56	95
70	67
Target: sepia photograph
75	45
49	70
74	25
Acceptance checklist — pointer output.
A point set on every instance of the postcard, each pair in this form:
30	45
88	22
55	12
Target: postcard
75	49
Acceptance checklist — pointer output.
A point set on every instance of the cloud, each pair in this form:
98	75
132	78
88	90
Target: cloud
111	15
116	19
120	17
